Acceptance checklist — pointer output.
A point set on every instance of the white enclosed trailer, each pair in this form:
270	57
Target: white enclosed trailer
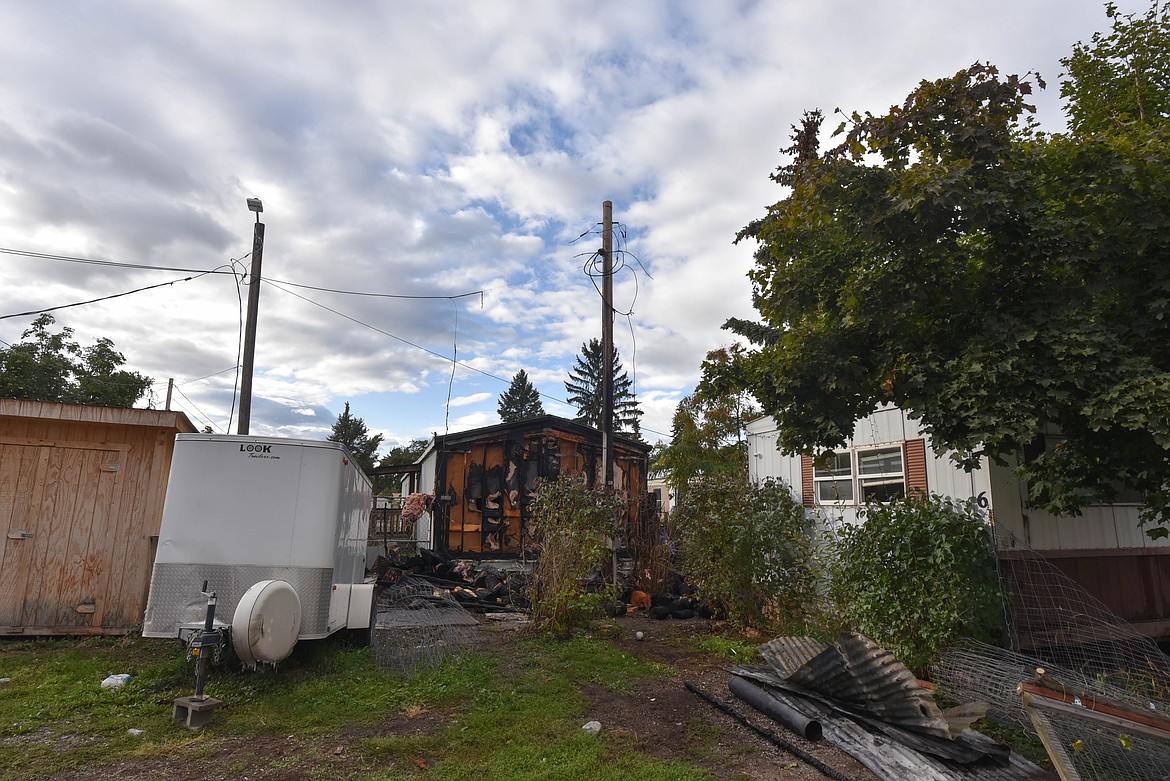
276	528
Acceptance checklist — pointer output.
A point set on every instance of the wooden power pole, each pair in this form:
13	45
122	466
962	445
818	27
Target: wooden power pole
607	342
250	324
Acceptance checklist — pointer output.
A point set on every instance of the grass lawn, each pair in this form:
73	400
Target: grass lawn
512	709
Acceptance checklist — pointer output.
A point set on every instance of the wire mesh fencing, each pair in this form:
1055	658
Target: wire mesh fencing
1092	688
418	625
1055	618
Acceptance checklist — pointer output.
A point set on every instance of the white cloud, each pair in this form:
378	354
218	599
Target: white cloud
434	148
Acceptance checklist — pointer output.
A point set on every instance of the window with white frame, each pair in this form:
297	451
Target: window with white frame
859	475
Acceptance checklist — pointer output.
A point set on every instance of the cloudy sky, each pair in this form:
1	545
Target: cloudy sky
433	149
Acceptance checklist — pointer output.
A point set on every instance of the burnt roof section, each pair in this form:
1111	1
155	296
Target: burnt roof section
534	426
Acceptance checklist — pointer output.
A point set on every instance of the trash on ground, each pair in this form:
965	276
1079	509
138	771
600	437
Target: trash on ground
862	699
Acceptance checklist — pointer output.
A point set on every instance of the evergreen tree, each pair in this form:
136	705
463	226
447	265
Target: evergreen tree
520	401
351	431
404	454
585	385
397	456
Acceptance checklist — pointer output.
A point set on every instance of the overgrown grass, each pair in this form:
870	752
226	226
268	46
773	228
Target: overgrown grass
521	722
733	649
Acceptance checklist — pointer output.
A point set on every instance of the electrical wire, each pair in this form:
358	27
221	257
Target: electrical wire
378	295
120	264
454	362
235	268
95	262
103	298
591	269
206	376
427	350
206	419
239	340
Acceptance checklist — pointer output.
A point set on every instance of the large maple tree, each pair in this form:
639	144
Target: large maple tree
997	282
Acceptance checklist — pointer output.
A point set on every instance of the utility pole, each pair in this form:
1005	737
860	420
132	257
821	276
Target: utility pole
607	342
255	205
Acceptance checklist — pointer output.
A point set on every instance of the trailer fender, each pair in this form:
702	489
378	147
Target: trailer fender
361	606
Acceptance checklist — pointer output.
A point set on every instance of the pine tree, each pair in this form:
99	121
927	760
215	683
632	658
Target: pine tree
584	389
520	401
352	432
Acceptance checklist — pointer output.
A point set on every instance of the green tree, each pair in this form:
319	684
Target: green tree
404	454
520	401
996	282
398	455
709	429
351	431
50	366
585	385
1120	78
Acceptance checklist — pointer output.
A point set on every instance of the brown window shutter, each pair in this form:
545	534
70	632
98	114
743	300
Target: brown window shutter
807	492
915	466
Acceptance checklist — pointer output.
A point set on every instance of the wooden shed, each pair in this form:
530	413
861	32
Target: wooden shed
485	481
81	496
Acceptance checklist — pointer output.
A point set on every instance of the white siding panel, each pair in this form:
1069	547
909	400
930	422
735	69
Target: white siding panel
765	461
423	530
1008	505
1129	533
888	424
1098	528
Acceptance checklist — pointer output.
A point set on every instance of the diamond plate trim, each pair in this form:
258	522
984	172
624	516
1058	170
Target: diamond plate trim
175	597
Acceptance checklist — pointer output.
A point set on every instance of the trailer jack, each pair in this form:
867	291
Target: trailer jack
204	646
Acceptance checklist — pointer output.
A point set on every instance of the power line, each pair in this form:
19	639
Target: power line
96	262
206	418
379	295
444	358
103	298
121	264
589	269
204	377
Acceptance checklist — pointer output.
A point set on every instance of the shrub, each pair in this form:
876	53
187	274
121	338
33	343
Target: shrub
749	552
916	574
572	525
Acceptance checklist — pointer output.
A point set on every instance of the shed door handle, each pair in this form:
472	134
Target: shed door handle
20	535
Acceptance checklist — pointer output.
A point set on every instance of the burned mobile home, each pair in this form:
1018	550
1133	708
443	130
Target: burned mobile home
484	483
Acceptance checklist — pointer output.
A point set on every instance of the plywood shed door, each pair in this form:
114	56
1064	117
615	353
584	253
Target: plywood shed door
59	540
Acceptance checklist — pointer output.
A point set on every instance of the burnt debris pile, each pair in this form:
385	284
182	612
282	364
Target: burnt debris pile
478	587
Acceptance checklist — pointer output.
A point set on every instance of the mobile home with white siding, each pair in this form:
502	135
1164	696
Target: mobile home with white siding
1104	549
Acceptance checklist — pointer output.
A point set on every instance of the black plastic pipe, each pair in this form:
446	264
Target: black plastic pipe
770	705
770	736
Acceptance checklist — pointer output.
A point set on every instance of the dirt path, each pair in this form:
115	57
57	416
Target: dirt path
667	721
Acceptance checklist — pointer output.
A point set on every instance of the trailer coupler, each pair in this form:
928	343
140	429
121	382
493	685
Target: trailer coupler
205	646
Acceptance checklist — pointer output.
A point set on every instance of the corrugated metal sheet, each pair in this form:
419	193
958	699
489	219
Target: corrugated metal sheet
857	671
786	655
891	760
